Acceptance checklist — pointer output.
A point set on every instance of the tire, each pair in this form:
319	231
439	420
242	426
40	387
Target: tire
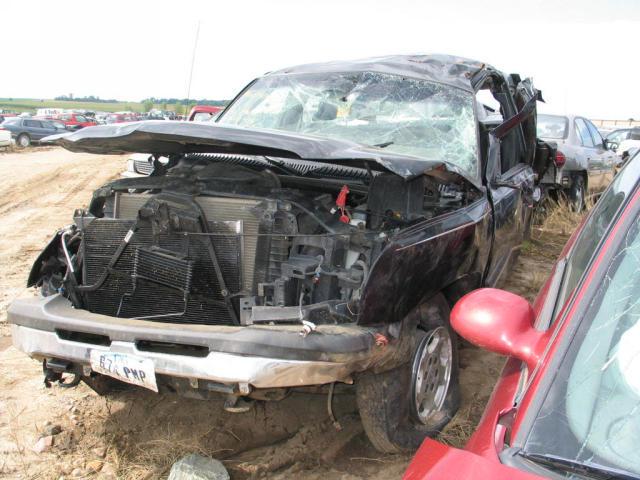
576	195
388	401
23	140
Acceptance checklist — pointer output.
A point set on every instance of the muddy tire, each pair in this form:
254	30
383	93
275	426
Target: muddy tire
577	194
23	140
401	407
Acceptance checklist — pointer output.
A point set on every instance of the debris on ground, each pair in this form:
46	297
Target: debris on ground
308	445
50	430
100	451
198	467
44	444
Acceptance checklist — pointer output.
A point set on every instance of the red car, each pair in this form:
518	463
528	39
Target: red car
568	402
120	118
203	113
74	121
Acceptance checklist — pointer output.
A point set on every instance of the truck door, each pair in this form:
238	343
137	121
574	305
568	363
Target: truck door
509	177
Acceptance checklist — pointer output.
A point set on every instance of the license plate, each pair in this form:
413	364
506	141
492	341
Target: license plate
127	368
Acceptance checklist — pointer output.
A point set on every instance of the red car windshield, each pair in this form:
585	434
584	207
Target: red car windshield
591	412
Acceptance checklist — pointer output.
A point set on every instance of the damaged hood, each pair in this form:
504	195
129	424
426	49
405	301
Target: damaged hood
172	137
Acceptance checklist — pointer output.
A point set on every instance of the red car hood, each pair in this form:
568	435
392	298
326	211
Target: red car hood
435	461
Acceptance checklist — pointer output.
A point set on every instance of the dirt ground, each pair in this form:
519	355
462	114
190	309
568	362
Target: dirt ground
137	434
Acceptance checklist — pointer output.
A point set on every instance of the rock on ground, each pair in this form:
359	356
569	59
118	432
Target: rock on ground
197	467
44	444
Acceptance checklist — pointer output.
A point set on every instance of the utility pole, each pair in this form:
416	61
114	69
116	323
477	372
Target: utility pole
193	60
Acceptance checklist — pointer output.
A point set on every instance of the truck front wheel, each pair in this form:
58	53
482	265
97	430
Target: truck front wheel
399	408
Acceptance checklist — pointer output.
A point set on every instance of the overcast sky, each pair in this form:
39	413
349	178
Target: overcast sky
581	54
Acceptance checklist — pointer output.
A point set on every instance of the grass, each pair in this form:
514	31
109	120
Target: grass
31	104
558	218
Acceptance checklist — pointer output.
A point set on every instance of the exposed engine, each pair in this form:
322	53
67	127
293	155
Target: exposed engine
235	240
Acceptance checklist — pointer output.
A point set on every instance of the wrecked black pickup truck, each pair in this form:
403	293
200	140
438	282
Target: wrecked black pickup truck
316	233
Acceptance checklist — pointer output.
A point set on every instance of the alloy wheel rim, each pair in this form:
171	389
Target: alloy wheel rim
432	376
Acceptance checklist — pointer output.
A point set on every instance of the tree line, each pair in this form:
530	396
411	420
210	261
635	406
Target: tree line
150	100
185	101
90	98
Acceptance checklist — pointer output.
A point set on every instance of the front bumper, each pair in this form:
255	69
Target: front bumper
260	357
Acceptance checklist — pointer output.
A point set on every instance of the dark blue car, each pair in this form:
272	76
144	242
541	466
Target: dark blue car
27	130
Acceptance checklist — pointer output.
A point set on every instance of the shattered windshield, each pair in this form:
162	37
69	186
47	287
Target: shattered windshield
400	115
592	411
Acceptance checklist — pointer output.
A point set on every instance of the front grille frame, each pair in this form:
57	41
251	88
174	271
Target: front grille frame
204	303
255	215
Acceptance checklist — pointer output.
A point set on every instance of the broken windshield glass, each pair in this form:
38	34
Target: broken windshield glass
592	411
403	115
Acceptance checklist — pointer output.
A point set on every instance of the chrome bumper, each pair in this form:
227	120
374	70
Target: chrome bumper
259	357
258	372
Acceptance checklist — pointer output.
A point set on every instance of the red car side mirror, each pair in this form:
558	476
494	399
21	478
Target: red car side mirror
501	322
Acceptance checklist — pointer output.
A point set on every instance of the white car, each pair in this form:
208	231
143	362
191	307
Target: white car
627	140
5	137
627	147
140	165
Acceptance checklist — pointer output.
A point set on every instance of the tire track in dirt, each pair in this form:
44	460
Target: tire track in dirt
38	193
34	192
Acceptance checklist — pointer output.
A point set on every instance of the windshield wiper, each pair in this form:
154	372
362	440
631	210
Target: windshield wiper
586	468
382	145
281	165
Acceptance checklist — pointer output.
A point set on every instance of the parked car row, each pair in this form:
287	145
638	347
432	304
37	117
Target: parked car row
26	130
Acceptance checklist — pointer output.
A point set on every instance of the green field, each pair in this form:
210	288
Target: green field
30	105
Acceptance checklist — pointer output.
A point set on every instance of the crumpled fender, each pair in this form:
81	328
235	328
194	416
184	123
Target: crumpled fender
50	250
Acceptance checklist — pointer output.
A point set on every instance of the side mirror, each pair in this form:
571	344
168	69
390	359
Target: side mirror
609	145
501	322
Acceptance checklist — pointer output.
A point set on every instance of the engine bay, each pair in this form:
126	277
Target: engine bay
239	240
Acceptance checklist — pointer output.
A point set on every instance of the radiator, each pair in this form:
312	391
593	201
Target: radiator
131	292
219	209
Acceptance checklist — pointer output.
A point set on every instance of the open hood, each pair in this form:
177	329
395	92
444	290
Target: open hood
167	137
